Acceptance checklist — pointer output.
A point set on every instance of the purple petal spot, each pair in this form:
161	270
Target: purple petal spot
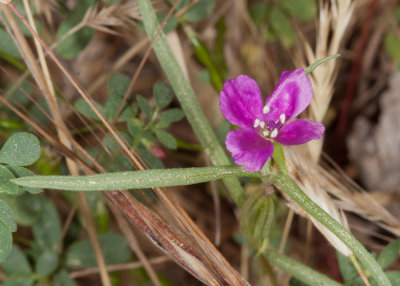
289	98
299	132
249	149
241	101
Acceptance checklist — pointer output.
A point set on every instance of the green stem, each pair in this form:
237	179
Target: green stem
290	188
187	99
321	61
298	270
135	179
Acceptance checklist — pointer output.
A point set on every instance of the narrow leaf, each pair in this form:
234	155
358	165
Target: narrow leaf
167	139
172	115
135	179
144	105
389	254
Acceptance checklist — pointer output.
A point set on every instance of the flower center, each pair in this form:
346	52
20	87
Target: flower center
262	126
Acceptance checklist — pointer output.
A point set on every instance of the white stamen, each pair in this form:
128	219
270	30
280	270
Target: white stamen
262	124
282	118
274	133
256	123
265	133
266	109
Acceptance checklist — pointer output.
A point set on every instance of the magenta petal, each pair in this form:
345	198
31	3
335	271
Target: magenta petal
290	97
248	149
241	101
300	131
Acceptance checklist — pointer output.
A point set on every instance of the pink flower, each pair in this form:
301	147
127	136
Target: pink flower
241	104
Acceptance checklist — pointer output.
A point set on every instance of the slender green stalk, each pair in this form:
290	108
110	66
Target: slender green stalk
187	98
135	179
321	61
290	188
298	270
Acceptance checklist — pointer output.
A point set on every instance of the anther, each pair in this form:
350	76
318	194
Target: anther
282	118
265	133
266	109
256	123
262	124
274	133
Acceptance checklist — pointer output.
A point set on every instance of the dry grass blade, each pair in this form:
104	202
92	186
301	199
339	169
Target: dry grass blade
305	173
333	22
105	18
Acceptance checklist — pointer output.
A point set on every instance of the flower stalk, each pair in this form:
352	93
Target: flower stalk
291	189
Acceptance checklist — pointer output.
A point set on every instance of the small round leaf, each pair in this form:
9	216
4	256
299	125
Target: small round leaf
16	263
21	149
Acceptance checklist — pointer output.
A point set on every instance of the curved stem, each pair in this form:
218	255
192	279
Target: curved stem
298	270
290	188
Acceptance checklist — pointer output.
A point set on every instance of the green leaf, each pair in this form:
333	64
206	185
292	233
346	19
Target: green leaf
46	263
136	179
72	45
152	161
5	242
19	281
21	149
27	208
10	124
135	127
113	247
171	24
303	10
47	230
394	277
392	46
199	11
20	172
7	44
162	92
6	185
162	124
167	139
38	112
20	95
259	12
83	107
144	105
61	278
7	216
118	85
16	263
389	254
280	23
172	115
